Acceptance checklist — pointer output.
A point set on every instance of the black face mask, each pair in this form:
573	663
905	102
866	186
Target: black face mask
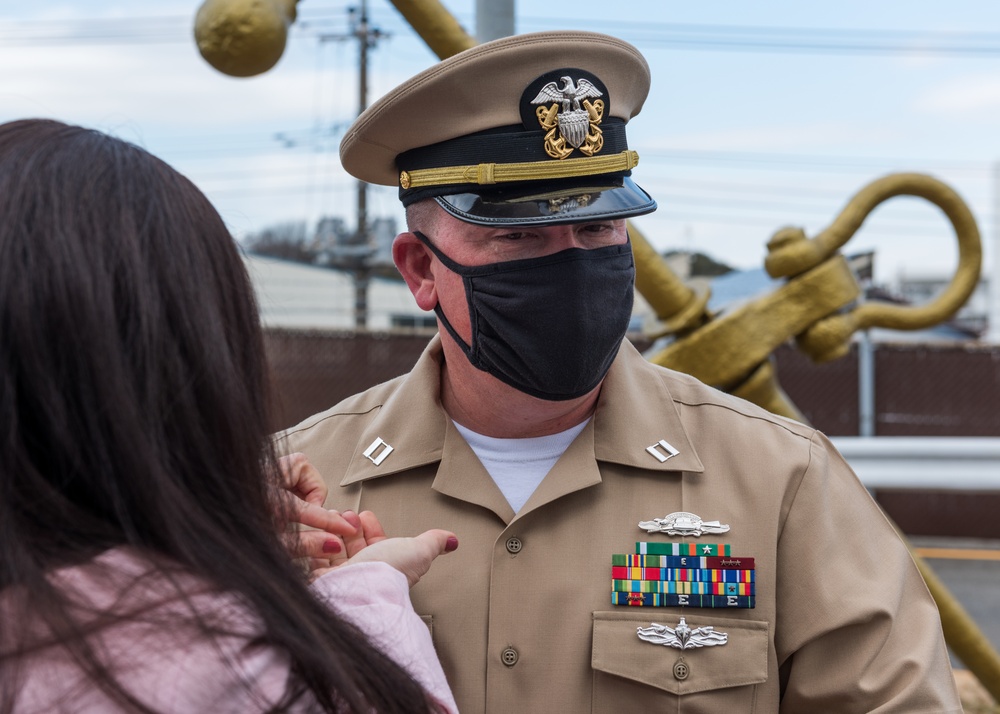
550	326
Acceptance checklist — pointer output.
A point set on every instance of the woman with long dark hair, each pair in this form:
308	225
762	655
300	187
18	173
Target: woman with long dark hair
141	561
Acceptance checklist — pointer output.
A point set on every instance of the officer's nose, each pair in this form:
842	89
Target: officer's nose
562	238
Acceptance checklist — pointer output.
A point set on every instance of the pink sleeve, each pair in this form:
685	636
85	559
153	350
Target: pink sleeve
376	598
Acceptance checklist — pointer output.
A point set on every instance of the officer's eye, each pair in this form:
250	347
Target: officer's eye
514	236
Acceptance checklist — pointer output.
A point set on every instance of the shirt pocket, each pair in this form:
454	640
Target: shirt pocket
629	672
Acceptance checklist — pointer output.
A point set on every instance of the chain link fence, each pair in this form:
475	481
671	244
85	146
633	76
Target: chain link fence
920	389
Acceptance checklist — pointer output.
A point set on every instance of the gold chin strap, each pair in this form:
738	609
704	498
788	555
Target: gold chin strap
524	171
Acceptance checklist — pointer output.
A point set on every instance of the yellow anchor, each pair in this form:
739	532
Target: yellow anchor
732	351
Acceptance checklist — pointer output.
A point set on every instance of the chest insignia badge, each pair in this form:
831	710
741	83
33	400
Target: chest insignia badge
682	637
682	523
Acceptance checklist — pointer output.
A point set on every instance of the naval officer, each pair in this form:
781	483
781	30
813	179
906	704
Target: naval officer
763	577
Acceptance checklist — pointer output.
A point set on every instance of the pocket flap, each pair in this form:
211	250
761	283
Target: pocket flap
741	661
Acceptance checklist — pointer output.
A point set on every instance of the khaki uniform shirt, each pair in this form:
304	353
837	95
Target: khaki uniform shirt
521	613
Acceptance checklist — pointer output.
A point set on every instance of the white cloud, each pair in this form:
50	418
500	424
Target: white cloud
166	85
767	138
919	60
970	95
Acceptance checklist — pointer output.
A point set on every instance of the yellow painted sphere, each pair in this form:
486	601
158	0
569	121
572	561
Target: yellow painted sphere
243	38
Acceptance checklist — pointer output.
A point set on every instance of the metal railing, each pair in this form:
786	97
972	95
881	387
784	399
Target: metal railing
967	463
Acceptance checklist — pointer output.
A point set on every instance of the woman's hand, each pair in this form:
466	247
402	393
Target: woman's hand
348	537
304	493
410	556
301	479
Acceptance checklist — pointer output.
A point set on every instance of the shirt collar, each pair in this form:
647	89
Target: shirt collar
635	412
411	421
414	424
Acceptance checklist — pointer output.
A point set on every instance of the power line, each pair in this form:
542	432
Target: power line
729	38
743	189
125	30
673	207
666	214
788	206
316	138
809	162
740	38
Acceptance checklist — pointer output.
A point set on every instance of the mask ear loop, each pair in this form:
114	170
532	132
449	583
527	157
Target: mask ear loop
457	269
450	264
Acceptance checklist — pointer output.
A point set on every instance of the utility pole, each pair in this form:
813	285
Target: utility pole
993	295
359	250
354	252
494	19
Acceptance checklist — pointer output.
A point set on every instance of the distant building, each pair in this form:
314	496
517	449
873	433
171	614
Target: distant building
919	290
299	296
296	296
383	232
731	291
331	233
335	243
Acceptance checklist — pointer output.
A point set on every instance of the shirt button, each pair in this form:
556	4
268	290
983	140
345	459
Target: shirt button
681	670
513	545
509	656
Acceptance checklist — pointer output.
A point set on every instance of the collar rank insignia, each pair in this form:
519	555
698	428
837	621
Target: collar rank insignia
683	523
682	637
567	114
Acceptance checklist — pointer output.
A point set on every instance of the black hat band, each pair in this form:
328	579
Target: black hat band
507	154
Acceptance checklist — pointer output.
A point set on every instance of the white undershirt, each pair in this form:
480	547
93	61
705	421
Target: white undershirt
519	465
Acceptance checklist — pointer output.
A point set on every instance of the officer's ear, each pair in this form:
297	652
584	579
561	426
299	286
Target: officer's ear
413	260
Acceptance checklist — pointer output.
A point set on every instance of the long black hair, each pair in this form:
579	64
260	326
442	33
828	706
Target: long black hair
134	408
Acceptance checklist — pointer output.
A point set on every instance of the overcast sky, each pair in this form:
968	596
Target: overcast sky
760	115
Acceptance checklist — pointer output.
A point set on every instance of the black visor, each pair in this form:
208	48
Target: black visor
593	200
